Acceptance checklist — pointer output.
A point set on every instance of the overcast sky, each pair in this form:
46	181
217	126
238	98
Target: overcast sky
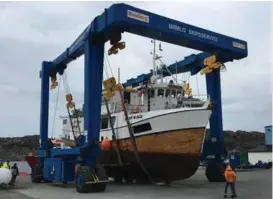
33	32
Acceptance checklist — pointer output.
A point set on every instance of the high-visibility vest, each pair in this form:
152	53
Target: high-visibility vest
230	175
5	165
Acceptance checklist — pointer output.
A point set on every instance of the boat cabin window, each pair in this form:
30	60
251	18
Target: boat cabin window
160	92
168	92
65	121
127	97
142	128
67	137
173	93
104	123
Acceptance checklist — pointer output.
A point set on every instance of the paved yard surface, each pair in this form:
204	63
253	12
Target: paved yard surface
250	185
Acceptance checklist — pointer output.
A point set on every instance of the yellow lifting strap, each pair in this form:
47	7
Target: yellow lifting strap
210	64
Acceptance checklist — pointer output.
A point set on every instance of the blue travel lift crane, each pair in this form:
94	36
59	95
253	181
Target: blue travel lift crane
79	164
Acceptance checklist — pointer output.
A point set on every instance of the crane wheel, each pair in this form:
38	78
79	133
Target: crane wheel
36	174
83	175
85	181
102	176
215	172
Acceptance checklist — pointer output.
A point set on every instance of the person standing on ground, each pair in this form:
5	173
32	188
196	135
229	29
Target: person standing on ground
230	177
15	173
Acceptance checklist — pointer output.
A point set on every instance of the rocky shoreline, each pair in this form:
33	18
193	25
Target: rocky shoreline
16	148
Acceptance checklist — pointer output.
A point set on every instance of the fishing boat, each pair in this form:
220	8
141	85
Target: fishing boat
168	125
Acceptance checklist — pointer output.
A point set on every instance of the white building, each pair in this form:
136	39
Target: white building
262	153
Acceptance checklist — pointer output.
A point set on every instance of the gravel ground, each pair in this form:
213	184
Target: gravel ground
250	185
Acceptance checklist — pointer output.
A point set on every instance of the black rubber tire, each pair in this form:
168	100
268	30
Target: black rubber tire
269	165
35	179
101	174
36	175
215	172
85	173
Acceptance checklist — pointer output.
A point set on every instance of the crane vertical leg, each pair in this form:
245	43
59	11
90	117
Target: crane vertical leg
93	76
91	176
215	146
213	81
44	105
37	169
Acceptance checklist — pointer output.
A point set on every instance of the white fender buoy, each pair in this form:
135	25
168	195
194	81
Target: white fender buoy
5	176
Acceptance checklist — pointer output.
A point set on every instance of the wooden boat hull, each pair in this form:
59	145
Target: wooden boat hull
172	155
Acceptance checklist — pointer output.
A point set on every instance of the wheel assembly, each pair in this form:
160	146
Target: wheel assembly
215	172
102	178
37	174
88	180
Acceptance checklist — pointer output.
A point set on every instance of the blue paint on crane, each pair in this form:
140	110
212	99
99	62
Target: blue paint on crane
117	19
123	17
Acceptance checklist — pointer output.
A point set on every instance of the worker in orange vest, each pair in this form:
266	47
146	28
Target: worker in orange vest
230	177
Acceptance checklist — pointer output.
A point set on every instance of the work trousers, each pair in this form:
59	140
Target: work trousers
232	186
13	179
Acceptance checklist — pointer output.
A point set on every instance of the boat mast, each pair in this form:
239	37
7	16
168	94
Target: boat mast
154	57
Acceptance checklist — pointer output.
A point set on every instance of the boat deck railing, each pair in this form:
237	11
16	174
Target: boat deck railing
170	103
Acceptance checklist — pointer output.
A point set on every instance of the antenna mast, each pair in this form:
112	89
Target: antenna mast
154	57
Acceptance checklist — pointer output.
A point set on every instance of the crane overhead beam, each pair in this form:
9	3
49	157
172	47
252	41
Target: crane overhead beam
124	18
192	63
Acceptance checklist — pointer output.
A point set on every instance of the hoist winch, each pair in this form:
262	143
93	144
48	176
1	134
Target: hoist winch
210	64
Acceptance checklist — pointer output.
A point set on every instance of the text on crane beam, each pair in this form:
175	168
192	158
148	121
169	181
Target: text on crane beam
193	32
145	18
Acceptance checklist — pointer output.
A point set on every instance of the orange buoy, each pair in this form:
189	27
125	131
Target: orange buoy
106	144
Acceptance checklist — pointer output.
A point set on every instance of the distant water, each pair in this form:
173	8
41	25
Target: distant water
22	166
